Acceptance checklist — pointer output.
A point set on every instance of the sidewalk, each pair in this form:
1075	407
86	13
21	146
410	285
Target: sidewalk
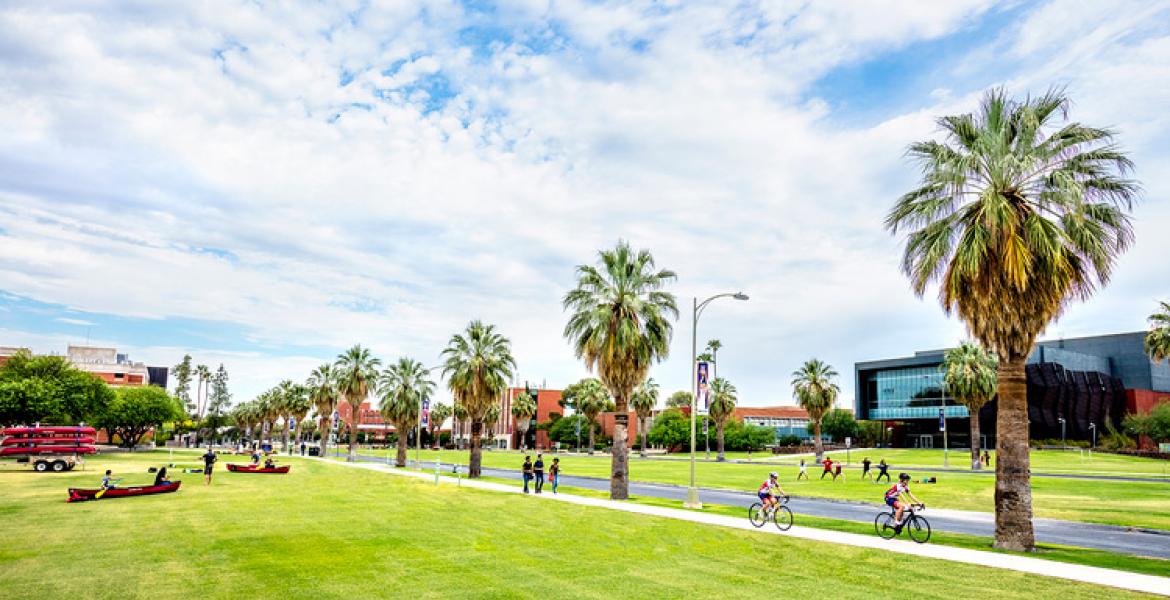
1086	574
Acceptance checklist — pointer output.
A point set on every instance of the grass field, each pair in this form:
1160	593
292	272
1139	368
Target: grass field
1137	504
325	531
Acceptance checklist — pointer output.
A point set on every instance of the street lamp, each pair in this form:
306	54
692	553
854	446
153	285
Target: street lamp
1061	419
418	434
1093	427
697	310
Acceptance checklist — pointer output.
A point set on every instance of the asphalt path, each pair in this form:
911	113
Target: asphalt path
1125	540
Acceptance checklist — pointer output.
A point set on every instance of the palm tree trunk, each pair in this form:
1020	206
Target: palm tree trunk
476	454
284	443
400	461
352	457
619	484
590	437
1013	486
642	431
820	448
326	429
976	462
719	433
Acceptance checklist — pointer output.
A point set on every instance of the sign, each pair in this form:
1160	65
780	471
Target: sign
336	419
942	420
705	421
1164	448
292	423
703	386
426	418
848	442
264	429
578	426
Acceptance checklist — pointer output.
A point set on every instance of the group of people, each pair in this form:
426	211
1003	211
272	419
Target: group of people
835	470
894	497
534	472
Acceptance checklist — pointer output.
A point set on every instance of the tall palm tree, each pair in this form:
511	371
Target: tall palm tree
458	421
724	397
679	399
491	418
203	372
969	373
297	405
403	387
713	347
621	324
477	365
286	392
1158	339
523	408
356	373
323	394
644	400
1016	216
590	398
439	413
815	392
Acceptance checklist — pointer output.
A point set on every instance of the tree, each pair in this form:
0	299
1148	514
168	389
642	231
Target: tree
1158	339
403	387
565	430
590	398
713	347
48	389
439	412
356	372
135	411
644	400
969	373
459	424
679	399
671	430
491	418
183	372
1154	425
838	424
723	399
322	386
706	356
218	401
620	325
297	405
1016	215
478	364
204	375
523	409
815	392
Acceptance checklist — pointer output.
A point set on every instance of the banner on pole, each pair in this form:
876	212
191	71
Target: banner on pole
703	385
426	414
292	423
942	420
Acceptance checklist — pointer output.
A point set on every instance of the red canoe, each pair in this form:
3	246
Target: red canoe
56	441
80	495
48	430
254	469
16	451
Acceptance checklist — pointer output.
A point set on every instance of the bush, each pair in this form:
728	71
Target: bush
671	430
1155	425
1115	440
789	440
564	430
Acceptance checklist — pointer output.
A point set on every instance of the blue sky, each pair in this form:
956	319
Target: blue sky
263	185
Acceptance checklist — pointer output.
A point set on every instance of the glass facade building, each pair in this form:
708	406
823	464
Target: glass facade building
909	393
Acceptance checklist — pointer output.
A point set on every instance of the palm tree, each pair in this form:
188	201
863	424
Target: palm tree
713	347
523	407
1016	216
724	396
403	387
491	418
619	324
439	413
644	400
203	372
458	421
323	394
815	392
679	399
590	398
478	364
286	392
969	372
356	372
1158	339
297	405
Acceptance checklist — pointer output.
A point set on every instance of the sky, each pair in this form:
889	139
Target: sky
264	184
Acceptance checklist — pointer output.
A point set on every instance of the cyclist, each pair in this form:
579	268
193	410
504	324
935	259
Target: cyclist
767	491
894	499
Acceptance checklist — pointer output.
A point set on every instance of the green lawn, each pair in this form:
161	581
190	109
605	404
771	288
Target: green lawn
326	531
1137	504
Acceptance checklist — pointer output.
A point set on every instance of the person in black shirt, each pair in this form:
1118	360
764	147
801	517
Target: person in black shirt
538	472
161	478
554	473
865	469
526	470
208	464
883	471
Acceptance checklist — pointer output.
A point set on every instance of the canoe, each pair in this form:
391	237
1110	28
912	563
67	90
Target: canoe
17	451
48	430
80	495
54	441
253	469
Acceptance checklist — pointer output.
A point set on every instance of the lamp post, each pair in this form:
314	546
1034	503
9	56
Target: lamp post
1093	427
418	434
697	310
1061	419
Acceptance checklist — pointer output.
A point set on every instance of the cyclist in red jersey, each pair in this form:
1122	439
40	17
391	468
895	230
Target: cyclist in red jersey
766	493
894	498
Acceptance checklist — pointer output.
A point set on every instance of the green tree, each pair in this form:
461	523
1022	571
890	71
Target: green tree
713	347
439	412
204	378
477	365
969	373
590	398
48	389
218	402
323	394
297	405
135	411
183	372
724	397
621	325
1154	425
815	392
1016	215
671	430
679	399
523	409
644	400
1158	339
403	387
838	424
356	373
564	430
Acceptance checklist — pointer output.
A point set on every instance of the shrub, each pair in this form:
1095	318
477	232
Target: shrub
789	440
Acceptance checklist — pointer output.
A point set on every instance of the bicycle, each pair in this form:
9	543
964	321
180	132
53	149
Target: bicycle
778	513
915	525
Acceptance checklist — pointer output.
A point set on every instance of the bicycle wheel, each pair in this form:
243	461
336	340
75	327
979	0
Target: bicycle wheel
757	515
918	528
783	518
884	525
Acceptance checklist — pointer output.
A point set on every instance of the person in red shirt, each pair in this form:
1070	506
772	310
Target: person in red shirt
828	462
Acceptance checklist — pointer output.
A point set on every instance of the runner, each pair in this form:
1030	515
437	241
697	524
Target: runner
208	464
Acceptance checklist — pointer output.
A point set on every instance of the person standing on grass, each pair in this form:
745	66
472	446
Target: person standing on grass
837	473
303	446
803	471
828	463
526	470
987	458
554	473
208	464
883	471
538	472
865	469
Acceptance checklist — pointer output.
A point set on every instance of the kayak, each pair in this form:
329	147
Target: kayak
80	495
254	469
48	430
58	441
17	451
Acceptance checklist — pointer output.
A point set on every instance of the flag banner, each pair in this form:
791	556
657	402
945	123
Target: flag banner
292	423
703	386
426	405
942	420
265	428
426	414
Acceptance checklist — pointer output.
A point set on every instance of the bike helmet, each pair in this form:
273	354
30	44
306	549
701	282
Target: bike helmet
773	475
903	477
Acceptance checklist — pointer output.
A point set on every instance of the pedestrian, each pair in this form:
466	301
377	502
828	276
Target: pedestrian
828	463
303	447
208	464
554	473
526	470
837	473
987	458
883	471
538	472
803	471
865	469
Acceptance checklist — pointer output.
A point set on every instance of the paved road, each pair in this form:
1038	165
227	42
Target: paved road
1051	531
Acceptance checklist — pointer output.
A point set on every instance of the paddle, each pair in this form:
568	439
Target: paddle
102	492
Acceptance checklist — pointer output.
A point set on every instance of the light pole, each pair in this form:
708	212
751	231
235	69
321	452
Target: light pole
1093	427
418	434
1061	419
697	310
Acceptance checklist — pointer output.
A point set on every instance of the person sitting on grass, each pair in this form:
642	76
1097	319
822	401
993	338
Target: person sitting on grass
767	491
108	482
269	463
894	499
161	478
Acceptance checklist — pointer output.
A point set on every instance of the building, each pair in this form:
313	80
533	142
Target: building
548	403
7	352
113	368
784	420
1076	387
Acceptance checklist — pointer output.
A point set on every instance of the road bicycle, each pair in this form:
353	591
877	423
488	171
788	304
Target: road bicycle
914	524
777	513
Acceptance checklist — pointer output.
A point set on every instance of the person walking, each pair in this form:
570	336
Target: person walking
828	463
987	458
526	470
554	473
538	472
883	471
803	471
208	465
865	464
303	447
